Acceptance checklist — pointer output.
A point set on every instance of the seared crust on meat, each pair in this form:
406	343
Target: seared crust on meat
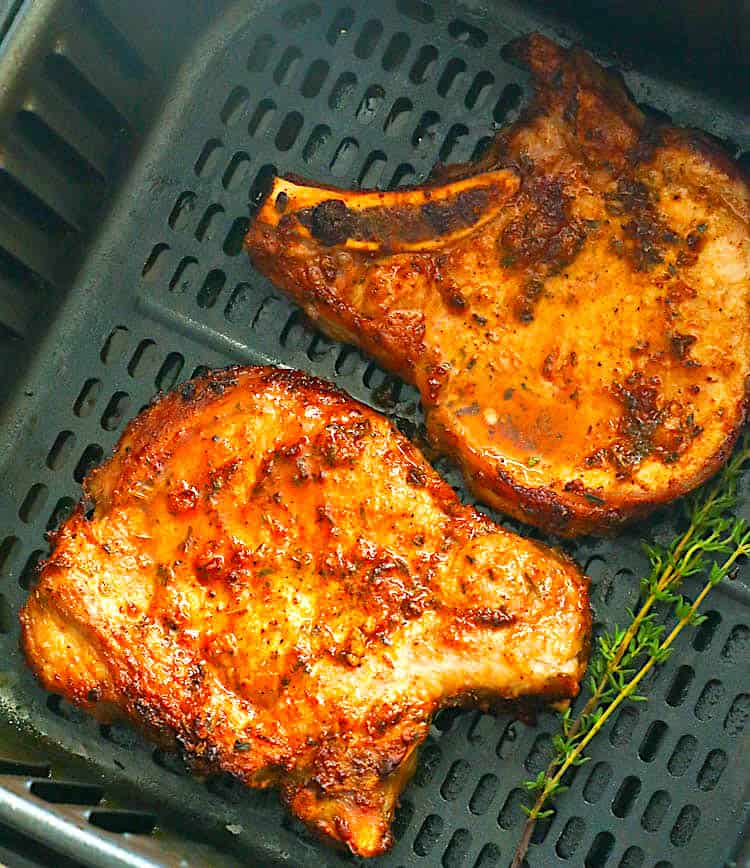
269	577
581	341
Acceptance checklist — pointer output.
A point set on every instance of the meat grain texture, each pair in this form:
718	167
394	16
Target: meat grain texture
573	309
267	576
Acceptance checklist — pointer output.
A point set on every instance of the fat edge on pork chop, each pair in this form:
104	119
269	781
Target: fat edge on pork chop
268	577
573	308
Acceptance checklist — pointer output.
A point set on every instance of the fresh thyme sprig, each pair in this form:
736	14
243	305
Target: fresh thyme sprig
625	656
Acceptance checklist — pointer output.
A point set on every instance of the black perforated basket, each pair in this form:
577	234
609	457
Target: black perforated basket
134	140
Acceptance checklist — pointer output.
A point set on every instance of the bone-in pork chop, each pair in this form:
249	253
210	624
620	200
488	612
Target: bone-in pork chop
268	576
573	310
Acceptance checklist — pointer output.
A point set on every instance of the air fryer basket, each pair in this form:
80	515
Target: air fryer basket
132	138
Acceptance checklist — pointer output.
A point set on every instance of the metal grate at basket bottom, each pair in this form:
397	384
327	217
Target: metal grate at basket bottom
348	96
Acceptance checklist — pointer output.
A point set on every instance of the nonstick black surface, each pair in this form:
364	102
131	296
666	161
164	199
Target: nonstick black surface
126	190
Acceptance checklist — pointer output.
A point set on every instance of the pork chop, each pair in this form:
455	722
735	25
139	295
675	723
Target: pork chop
271	578
573	309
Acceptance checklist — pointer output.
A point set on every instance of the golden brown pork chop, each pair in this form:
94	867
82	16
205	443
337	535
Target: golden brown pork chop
574	310
274	580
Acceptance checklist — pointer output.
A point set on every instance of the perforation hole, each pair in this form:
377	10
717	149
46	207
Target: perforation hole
571	837
116	410
260	53
262	184
685	825
711	696
512	813
467	33
315	78
289	130
457	849
597	782
417	10
182	209
452	141
402	818
705	633
507	105
121	822
342	91
370	104
372	170
87	398
287	65
682	755
426	130
712	770
236	235
451	77
9	549
623	802
115	345
199	371
344	157
680	686
508	743
428	835
170	371
455	780
656	810
737	644
633	857
429	760
153	267
317	140
340	26
260	122
737	715
300	16
33	503
368	39
7	623
23	768
209	223
489	857
539	755
422	68
143	358
211	289
479	90
484	794
235	105
30	570
403	176
622	730
236	172
237	309
184	276
396	51
92	456
398	116
209	157
600	850
67	793
62	512
652	741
